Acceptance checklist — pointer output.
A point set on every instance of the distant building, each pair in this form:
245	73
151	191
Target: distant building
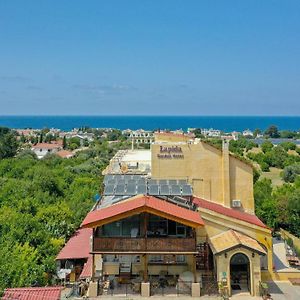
248	133
211	132
65	154
235	135
42	149
139	136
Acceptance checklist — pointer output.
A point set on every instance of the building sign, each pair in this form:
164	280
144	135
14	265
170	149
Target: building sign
170	152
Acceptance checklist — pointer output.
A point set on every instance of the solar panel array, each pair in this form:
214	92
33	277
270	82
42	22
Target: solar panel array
120	185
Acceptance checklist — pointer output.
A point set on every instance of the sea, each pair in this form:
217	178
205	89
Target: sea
224	123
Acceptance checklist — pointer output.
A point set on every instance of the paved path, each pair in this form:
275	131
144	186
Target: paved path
284	290
279	255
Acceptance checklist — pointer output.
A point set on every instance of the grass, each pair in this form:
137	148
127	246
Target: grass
274	175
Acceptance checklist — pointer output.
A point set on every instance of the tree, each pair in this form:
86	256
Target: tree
8	143
288	146
64	142
290	173
256	132
272	132
266	146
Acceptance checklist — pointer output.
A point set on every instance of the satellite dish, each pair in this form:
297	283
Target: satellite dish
97	197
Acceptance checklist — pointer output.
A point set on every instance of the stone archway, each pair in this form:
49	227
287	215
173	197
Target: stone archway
240	274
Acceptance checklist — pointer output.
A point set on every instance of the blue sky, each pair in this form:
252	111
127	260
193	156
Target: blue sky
84	57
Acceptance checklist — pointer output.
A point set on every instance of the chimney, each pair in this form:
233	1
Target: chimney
226	173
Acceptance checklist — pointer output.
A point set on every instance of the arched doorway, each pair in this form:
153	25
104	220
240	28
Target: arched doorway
240	273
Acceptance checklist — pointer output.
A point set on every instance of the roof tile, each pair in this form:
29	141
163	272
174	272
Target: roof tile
78	246
33	293
141	202
229	212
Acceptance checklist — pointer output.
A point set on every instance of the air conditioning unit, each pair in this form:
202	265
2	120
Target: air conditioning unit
236	203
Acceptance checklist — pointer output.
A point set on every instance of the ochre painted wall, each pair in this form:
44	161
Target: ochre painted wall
214	224
204	167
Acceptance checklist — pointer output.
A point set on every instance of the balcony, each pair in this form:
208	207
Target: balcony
125	244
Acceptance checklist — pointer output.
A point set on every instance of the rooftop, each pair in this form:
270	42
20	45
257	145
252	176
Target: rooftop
78	246
139	204
229	212
33	293
130	161
231	239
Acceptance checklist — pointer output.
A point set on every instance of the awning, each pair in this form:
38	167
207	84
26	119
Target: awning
231	239
78	246
139	205
87	269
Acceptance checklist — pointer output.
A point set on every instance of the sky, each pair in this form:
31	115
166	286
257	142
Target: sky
150	57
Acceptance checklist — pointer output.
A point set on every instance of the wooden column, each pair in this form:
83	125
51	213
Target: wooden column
93	267
194	268
145	268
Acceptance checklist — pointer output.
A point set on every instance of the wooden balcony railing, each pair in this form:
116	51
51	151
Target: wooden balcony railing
120	244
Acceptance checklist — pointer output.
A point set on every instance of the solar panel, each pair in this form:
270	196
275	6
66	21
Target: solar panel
126	178
120	189
172	181
107	178
162	181
141	181
186	190
136	177
175	190
142	189
109	189
152	181
131	189
182	181
119	176
111	182
153	189
164	189
131	181
120	181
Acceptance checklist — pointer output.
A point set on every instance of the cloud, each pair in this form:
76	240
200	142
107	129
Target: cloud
105	89
16	78
34	88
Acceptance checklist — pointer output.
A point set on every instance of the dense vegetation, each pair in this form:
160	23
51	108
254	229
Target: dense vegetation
42	202
278	206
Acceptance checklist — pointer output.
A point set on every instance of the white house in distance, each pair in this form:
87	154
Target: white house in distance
248	133
42	149
211	132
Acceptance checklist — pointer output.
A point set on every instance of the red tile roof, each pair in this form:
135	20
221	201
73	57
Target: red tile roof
229	212
140	204
46	146
78	246
64	153
33	293
87	269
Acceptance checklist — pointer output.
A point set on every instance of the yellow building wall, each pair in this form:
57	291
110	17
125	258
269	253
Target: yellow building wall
215	225
223	267
203	166
241	183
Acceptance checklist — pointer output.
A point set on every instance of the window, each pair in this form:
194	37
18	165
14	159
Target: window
127	227
180	258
